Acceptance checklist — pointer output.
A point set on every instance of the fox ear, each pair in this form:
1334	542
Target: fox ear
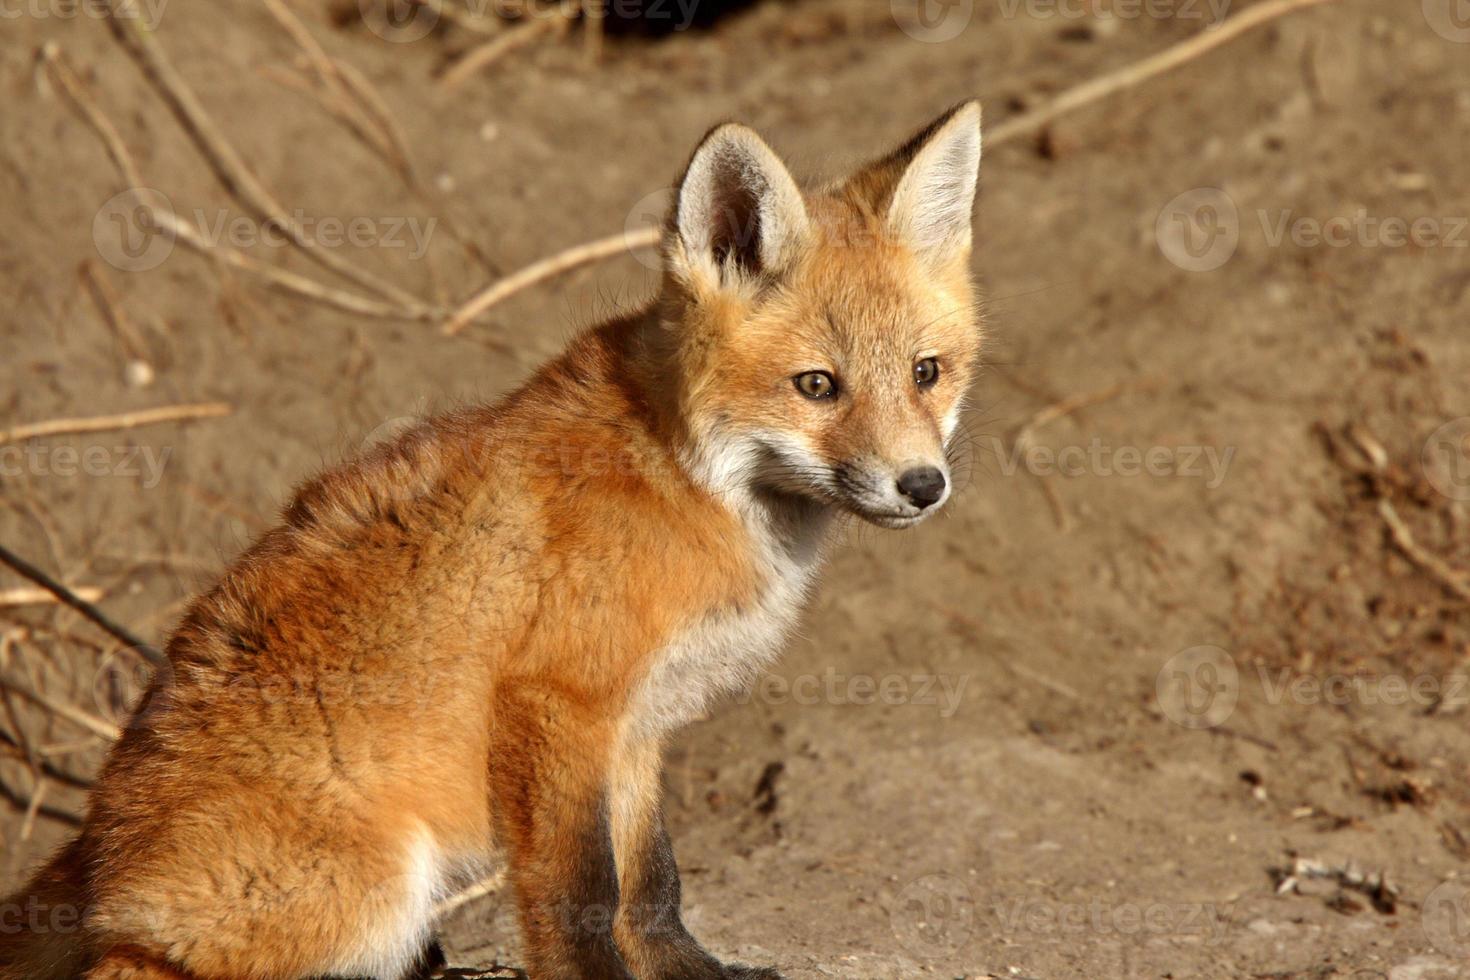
930	208
739	211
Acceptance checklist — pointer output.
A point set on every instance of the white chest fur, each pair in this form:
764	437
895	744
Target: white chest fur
726	651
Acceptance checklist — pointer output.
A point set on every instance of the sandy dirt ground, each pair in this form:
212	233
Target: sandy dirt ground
1177	687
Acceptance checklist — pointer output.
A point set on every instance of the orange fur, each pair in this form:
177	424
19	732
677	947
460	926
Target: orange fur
468	646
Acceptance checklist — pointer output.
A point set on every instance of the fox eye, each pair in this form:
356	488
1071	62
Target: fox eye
816	384
926	372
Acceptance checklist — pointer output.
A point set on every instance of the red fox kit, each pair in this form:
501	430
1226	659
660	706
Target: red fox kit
468	647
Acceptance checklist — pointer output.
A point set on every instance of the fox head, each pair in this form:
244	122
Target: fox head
823	341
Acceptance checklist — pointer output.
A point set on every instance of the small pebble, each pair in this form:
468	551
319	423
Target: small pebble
138	373
1408	180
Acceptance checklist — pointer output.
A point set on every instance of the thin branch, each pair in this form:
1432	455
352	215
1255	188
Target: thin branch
39	597
1067	406
171	224
226	162
975	628
547	268
290	282
111	423
52	749
112	140
73	714
1451	578
372	113
1141	71
49	812
105	298
52	772
482	57
65	595
377	108
1375	467
38	797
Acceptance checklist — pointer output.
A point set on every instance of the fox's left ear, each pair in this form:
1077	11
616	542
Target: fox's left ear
932	204
928	186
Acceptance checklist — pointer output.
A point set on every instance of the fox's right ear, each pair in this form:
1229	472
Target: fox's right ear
739	213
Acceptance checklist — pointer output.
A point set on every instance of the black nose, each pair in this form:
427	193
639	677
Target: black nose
923	485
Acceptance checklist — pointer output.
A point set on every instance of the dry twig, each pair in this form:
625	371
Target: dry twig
1060	409
38	797
973	627
355	101
1141	71
73	714
110	306
112	423
39	597
226	162
67	597
23	804
1451	578
482	57
1067	406
171	224
290	282
547	268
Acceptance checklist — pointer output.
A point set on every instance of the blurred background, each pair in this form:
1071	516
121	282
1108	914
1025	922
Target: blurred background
1178	685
